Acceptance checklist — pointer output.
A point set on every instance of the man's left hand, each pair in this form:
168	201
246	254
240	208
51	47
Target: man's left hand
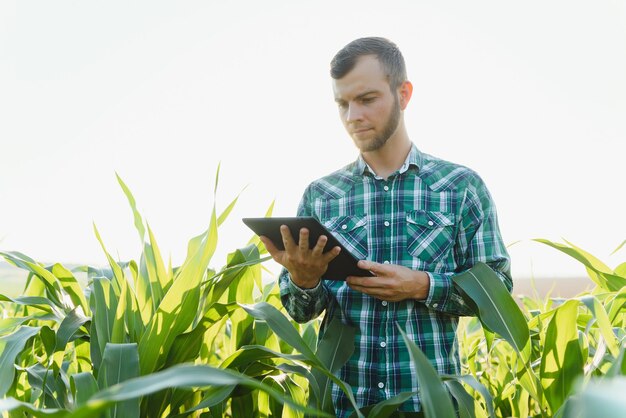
392	282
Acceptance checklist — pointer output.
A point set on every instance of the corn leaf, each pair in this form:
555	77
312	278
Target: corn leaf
70	285
181	376
334	349
561	362
17	407
38	302
464	400
120	363
600	273
10	347
179	306
131	200
53	288
436	402
103	302
83	387
604	324
497	309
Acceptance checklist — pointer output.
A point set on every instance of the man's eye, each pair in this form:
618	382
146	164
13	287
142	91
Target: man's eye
342	105
368	99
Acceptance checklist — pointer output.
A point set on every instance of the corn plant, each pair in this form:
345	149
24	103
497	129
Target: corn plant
145	339
563	345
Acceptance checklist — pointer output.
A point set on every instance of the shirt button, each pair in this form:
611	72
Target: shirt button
381	385
386	262
383	344
384	303
431	223
344	226
305	297
435	305
386	188
387	223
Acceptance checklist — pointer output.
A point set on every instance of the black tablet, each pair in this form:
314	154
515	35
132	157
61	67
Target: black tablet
340	267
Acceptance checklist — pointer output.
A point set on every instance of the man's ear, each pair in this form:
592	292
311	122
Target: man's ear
404	94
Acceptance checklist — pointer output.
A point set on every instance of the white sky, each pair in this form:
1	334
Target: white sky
531	94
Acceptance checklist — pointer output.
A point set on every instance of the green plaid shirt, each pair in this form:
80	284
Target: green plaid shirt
431	215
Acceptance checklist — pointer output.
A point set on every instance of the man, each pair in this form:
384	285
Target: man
414	221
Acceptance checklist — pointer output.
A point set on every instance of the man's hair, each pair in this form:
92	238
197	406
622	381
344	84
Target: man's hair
384	50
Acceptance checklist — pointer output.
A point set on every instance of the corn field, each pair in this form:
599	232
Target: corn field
145	339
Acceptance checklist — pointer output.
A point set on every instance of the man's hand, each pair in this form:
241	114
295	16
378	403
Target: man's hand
392	283
306	265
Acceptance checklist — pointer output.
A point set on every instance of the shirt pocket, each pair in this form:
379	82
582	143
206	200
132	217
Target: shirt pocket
351	232
430	235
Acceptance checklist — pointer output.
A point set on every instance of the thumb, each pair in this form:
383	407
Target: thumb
376	268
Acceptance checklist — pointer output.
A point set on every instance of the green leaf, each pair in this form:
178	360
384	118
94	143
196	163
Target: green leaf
602	275
43	379
131	200
280	325
103	302
181	376
119	364
436	402
619	247
387	407
83	387
497	309
70	285
618	368
179	306
15	406
477	386
604	324
562	361
464	399
70	324
334	349
38	302
224	215
52	285
10	347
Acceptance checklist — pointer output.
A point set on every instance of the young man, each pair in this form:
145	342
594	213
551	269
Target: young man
414	221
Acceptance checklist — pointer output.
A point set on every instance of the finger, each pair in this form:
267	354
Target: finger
329	255
270	247
288	241
319	245
304	240
366	282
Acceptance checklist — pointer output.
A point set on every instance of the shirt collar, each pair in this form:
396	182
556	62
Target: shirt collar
414	159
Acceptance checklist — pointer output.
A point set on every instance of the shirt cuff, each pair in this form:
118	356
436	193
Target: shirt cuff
306	294
440	288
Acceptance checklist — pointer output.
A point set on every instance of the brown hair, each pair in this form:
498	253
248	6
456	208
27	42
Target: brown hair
384	50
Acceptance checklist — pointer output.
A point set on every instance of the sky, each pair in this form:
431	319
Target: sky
530	94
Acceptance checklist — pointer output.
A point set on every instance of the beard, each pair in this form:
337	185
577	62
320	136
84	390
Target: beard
389	129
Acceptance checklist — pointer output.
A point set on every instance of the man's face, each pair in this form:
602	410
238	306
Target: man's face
368	108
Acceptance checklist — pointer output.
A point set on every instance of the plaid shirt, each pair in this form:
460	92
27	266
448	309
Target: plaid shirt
431	215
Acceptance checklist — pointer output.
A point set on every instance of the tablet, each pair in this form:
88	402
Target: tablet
340	267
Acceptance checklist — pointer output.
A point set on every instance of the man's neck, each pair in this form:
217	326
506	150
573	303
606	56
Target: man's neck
388	159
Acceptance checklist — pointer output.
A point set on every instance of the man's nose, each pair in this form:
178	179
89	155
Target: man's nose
354	113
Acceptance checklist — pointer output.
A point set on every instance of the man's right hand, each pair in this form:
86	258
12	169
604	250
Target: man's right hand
305	265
